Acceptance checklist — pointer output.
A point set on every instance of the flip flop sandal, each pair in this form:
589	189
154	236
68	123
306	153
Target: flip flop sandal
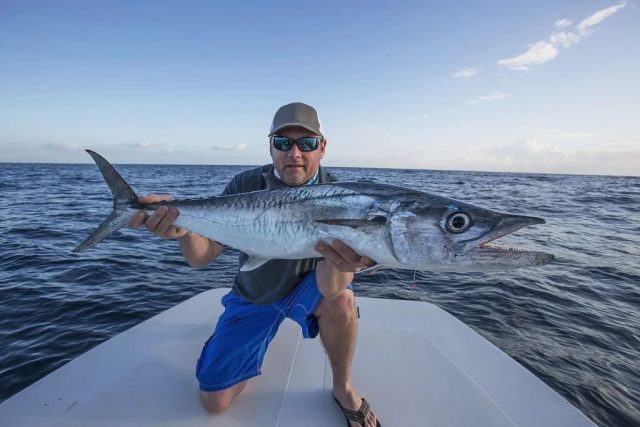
356	416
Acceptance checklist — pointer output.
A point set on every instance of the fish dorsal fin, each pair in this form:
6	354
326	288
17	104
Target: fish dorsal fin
253	262
273	181
355	223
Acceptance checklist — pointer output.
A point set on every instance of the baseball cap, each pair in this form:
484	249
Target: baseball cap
296	114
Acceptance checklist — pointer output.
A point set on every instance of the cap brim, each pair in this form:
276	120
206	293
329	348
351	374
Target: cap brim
300	125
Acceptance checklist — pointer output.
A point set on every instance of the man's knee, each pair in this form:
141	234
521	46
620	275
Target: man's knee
215	402
344	305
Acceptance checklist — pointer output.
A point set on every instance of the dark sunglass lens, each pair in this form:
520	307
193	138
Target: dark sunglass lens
308	144
282	143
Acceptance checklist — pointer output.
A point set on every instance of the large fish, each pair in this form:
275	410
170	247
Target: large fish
394	226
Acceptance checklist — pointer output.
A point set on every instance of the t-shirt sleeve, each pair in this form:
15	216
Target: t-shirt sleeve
232	187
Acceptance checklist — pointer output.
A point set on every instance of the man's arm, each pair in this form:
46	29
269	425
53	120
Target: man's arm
335	272
198	251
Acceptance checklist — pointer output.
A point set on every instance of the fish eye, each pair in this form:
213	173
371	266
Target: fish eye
458	222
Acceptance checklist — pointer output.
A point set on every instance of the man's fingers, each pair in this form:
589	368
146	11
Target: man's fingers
161	222
356	261
325	249
346	252
344	256
154	198
154	220
137	219
334	257
367	262
167	221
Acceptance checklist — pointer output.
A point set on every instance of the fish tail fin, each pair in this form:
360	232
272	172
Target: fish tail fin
123	197
113	223
122	192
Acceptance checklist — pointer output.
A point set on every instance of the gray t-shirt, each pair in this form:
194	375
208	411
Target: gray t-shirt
276	278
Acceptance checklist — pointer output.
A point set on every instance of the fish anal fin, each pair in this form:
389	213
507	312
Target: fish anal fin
253	262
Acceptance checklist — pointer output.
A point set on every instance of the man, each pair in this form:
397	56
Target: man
261	298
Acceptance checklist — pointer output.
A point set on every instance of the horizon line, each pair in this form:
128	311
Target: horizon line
335	167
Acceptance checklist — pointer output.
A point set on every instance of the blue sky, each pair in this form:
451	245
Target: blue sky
504	86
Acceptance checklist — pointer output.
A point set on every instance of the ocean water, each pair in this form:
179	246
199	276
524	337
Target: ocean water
574	323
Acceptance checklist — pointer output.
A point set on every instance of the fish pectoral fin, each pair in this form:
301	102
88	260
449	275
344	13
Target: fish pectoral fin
253	263
370	270
355	223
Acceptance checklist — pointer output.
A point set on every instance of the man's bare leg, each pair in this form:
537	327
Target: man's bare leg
337	322
217	402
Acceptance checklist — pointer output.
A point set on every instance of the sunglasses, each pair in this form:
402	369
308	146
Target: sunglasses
306	144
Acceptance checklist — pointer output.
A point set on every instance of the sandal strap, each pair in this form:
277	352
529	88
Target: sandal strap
360	415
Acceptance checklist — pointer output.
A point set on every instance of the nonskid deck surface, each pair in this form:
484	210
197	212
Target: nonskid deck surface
415	363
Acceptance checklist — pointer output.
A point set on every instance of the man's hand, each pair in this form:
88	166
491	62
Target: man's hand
342	257
160	223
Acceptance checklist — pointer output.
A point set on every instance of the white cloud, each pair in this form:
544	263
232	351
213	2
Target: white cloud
598	17
564	39
238	147
562	24
420	116
137	146
522	152
544	51
538	53
623	145
535	155
529	155
558	134
495	96
144	146
63	146
465	73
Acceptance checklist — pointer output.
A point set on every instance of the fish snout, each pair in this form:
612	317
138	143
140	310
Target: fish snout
510	224
523	220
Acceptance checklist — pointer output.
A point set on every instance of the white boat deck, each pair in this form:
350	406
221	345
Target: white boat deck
415	363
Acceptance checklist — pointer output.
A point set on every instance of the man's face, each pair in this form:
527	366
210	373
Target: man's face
294	166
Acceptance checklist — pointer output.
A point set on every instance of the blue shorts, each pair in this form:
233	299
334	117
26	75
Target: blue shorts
240	340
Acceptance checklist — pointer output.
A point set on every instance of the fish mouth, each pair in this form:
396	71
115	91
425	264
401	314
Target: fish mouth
487	251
